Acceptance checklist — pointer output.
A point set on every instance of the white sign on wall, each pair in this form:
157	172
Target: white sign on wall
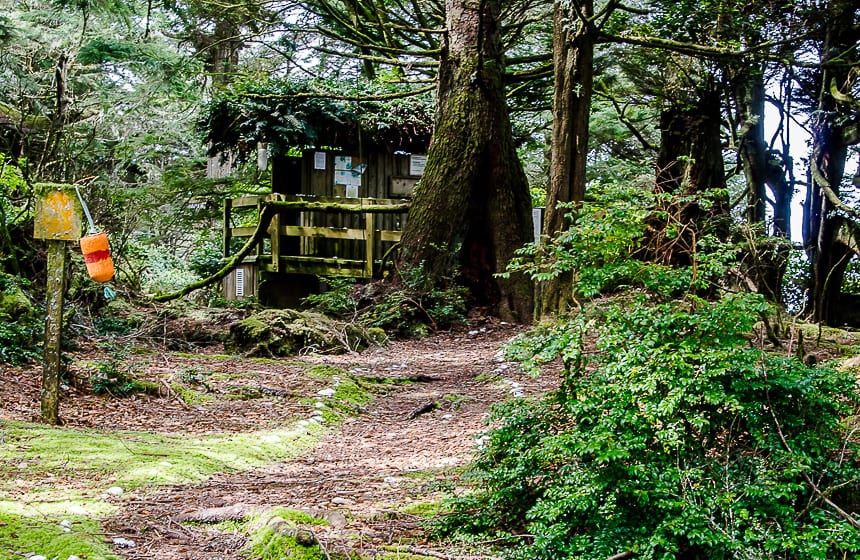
342	163
319	160
417	163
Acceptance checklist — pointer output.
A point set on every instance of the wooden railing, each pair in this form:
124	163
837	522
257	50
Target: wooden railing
308	220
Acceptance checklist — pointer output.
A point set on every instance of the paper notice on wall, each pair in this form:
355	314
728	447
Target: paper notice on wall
319	160
342	163
417	164
346	178
352	191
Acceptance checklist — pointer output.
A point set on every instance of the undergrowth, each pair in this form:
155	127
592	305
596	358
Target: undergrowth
671	435
21	324
411	306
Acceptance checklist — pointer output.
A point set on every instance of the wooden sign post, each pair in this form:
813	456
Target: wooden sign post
58	220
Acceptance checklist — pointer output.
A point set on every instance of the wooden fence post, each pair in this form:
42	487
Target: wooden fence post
57	220
55	290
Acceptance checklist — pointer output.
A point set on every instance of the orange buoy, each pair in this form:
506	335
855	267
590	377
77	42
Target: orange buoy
97	256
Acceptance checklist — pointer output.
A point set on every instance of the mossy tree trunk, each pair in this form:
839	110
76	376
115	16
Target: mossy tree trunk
689	166
472	206
762	168
828	231
573	57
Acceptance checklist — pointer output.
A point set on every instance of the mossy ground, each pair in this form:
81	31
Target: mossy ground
78	536
278	535
145	442
50	475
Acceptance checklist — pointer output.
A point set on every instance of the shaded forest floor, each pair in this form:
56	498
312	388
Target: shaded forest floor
389	448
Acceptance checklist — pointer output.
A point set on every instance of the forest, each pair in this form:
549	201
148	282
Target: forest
642	216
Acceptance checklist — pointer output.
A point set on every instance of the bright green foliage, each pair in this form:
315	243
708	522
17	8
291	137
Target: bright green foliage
44	535
610	229
671	434
21	326
338	300
674	439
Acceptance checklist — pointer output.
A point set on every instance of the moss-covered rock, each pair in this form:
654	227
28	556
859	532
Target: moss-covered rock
15	305
287	332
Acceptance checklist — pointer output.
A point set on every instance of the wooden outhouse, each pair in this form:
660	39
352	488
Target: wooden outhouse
340	211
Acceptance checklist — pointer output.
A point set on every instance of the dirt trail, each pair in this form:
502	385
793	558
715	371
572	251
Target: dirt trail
364	473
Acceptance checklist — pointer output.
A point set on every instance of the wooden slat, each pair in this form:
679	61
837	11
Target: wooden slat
329	233
320	266
368	246
389	235
273	231
228	231
243	231
245	201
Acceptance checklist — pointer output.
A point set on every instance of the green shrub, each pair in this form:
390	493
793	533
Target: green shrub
338	300
675	439
109	377
406	308
671	435
21	324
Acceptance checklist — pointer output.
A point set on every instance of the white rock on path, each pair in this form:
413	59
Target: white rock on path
115	491
123	543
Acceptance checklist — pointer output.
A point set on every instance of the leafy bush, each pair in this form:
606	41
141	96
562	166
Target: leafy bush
670	435
109	377
675	439
338	300
164	272
21	325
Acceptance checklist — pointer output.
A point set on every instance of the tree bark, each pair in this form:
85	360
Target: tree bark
762	168
573	57
472	206
55	287
690	164
828	253
748	85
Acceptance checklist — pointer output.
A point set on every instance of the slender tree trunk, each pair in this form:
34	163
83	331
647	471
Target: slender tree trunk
472	206
752	149
761	170
828	253
573	57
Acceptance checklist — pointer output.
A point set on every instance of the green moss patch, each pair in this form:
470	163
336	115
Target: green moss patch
422	509
190	396
52	537
278	535
137	458
54	482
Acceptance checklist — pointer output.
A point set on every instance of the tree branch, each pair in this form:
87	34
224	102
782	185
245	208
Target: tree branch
262	228
323	95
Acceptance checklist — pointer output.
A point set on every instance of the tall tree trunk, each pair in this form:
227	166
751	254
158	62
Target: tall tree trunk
748	85
762	168
828	253
573	57
690	164
472	205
